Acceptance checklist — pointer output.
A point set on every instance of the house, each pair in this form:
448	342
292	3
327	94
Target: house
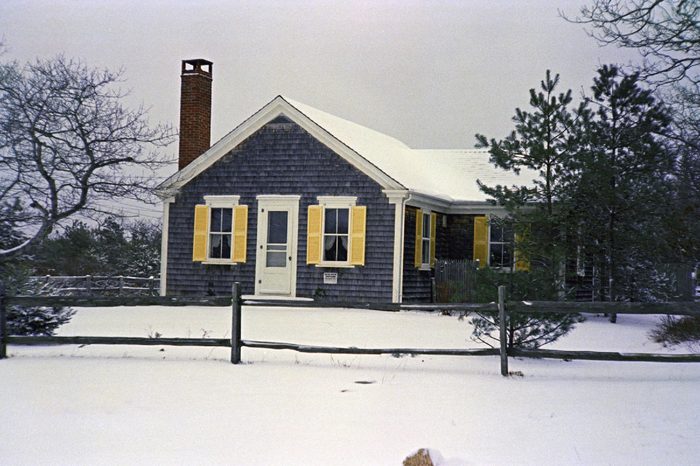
297	203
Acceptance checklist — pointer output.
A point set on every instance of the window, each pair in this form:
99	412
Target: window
335	235
336	232
497	245
425	259
500	244
220	232
426	224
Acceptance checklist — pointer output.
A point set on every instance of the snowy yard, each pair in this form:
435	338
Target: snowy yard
173	405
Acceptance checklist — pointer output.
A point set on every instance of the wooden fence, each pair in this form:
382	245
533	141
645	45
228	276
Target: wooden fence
236	343
119	285
455	281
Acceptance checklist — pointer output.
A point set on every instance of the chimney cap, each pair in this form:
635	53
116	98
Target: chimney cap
198	66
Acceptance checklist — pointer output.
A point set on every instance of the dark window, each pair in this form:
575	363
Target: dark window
500	244
425	251
335	235
220	233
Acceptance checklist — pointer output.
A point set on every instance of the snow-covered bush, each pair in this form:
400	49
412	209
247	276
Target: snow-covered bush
39	320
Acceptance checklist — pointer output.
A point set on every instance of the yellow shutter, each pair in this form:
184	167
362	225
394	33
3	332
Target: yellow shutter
433	231
522	261
313	235
357	240
201	226
481	241
240	233
418	259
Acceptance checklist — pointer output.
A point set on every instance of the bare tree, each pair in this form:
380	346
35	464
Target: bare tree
67	143
665	32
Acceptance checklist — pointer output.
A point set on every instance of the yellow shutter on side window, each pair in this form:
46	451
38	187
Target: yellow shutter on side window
481	240
433	235
199	241
357	240
313	235
240	233
418	258
522	261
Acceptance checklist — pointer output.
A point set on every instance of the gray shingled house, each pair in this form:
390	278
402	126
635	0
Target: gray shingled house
297	203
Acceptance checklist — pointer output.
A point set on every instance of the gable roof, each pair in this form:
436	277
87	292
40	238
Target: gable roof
446	176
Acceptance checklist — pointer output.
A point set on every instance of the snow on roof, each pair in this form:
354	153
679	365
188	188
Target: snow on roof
444	173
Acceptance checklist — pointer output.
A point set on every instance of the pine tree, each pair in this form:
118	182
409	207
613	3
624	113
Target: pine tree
540	147
620	187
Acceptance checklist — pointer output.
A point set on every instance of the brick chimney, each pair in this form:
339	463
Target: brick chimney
195	109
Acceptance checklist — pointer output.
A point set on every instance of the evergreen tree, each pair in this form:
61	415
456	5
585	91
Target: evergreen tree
540	147
143	249
620	188
70	253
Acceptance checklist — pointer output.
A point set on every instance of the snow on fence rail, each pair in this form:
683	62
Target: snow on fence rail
236	342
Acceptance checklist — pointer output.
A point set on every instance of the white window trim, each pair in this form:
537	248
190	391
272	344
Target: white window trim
425	267
336	202
217	202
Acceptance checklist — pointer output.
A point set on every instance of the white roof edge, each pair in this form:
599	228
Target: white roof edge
276	107
451	206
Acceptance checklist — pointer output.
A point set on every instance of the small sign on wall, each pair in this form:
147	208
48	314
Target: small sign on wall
330	278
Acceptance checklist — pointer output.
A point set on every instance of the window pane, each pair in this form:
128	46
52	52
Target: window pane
276	259
277	227
215	246
426	225
342	254
507	258
331	221
226	215
329	248
225	246
215	224
496	255
426	251
496	233
343	215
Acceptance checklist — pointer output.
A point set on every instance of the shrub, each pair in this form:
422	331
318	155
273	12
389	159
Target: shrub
673	331
40	320
530	330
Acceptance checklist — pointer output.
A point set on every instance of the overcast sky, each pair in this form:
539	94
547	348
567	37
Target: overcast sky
430	73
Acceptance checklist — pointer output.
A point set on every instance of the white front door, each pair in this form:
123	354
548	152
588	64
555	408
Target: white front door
276	250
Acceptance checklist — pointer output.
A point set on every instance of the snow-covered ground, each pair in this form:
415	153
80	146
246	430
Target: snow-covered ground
172	405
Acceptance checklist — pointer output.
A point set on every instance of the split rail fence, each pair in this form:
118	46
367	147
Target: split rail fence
236	343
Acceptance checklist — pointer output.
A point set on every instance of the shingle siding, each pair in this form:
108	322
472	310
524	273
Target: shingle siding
282	158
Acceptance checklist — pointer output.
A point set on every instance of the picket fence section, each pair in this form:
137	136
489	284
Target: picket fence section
236	343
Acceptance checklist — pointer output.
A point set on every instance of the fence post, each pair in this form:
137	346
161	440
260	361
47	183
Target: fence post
152	284
433	290
502	324
236	323
3	322
88	284
121	285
